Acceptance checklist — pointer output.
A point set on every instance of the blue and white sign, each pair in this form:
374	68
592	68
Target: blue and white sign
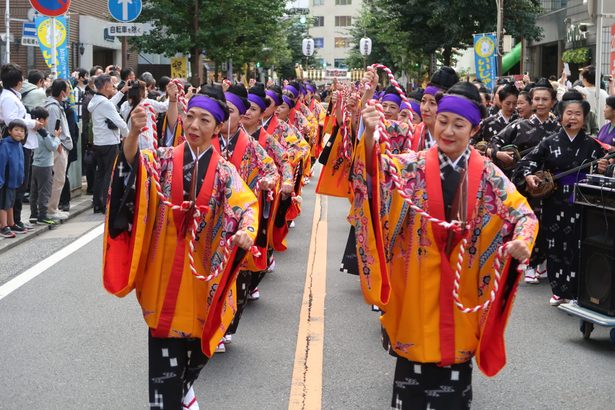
29	36
125	10
485	59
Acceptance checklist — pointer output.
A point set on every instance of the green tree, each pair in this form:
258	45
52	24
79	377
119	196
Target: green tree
239	29
445	25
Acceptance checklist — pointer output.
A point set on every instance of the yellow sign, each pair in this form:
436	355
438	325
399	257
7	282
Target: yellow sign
44	33
179	67
484	47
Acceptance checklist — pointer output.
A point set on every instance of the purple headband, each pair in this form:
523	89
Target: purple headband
293	90
416	107
311	88
274	97
432	90
258	101
209	105
237	102
461	106
288	101
391	97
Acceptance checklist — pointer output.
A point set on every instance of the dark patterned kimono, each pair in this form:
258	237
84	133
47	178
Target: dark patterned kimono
492	126
524	134
559	220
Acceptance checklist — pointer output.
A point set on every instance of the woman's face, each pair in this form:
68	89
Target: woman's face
252	116
391	110
542	102
524	108
200	127
453	133
270	109
573	118
609	113
229	127
429	107
283	111
508	105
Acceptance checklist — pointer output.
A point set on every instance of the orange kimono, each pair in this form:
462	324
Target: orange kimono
146	245
406	272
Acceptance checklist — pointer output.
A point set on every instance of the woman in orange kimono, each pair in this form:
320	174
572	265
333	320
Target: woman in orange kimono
407	263
180	253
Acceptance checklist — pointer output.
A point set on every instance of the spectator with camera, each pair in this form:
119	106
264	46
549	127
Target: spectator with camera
60	91
107	127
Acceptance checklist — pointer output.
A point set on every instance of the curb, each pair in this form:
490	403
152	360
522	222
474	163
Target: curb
83	204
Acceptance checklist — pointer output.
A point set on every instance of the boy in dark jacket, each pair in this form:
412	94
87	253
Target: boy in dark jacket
11	175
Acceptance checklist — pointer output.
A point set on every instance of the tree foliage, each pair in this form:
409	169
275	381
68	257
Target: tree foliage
426	27
244	30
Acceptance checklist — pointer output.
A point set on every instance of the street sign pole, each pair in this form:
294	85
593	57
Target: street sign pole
7	25
54	50
124	52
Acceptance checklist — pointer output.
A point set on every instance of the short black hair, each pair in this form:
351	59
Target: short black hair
444	78
94	69
163	82
216	93
508	90
573	97
125	73
82	73
58	86
527	96
17	123
39	113
543	84
589	74
35	76
10	75
610	101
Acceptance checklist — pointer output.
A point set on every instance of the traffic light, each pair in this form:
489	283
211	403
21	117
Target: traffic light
258	64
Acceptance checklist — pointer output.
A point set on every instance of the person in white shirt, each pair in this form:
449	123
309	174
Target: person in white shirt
588	77
11	108
107	127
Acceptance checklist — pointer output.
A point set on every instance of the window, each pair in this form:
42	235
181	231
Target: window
343	21
342	42
340	63
319	21
342	2
319	2
319	42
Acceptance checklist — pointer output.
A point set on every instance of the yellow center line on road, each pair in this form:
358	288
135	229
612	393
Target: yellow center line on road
306	387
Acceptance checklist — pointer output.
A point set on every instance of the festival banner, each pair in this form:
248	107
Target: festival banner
43	31
179	67
485	58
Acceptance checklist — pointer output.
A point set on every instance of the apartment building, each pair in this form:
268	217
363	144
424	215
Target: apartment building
331	22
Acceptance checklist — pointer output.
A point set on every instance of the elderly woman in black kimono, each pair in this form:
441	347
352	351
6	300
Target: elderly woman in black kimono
569	148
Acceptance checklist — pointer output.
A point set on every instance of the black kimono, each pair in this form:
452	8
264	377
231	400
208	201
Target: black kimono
492	126
559	219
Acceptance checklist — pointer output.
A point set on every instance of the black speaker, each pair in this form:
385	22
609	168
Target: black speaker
597	260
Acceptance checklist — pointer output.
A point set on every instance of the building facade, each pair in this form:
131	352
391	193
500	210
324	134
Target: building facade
89	42
570	35
331	24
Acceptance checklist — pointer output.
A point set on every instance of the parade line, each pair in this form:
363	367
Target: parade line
48	262
306	387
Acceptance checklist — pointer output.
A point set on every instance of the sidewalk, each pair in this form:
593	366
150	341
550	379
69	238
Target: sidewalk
78	205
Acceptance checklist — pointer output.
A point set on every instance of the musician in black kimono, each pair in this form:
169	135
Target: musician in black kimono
568	149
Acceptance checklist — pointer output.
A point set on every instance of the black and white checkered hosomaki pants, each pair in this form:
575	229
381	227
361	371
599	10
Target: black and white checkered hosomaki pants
429	386
174	366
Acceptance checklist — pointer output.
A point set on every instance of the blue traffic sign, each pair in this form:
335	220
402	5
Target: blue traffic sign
125	10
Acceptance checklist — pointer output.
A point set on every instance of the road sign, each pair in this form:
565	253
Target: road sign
29	36
125	10
126	29
51	8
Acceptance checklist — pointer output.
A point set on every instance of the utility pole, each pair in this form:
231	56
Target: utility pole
499	34
599	41
7	26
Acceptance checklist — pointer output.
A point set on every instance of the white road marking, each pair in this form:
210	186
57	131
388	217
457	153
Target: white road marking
26	276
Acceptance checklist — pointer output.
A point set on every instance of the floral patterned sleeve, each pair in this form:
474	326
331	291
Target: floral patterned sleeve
502	199
241	206
266	164
276	151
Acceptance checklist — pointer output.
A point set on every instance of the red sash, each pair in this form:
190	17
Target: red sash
273	124
436	209
262	138
177	196
240	148
418	137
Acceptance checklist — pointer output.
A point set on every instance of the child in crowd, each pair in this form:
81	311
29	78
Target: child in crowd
42	170
11	175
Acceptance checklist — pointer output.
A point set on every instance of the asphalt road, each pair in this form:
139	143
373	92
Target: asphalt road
67	344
